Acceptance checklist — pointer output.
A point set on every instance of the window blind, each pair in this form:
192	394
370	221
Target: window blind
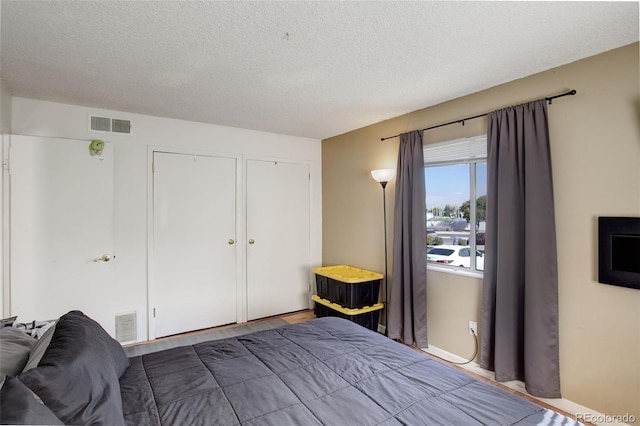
467	149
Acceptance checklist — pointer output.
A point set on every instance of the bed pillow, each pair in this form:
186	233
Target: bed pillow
77	377
115	348
21	407
15	346
37	352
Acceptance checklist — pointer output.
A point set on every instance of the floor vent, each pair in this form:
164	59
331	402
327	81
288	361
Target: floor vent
106	124
126	327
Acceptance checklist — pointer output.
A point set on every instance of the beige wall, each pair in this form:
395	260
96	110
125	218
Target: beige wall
595	138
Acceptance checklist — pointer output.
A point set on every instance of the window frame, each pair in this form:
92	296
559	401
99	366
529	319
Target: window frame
470	151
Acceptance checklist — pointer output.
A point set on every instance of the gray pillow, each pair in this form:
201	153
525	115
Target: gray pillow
77	378
39	348
21	406
15	346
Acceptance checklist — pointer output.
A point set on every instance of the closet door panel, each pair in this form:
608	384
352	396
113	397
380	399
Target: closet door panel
193	269
277	235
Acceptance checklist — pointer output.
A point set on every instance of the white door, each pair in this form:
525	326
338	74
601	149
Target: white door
193	260
61	219
277	237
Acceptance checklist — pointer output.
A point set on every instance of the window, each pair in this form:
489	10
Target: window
455	173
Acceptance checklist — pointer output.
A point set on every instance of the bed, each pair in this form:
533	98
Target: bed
327	371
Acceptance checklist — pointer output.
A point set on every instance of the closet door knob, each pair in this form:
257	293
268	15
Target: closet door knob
251	241
231	241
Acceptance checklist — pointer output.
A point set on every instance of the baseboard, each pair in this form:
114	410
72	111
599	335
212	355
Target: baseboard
582	413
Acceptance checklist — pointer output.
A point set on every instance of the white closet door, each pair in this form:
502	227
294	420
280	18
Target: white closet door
61	221
193	259
277	237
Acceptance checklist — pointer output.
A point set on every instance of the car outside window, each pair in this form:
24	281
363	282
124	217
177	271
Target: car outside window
441	252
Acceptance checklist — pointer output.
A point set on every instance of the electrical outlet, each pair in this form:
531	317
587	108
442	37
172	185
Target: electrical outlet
473	328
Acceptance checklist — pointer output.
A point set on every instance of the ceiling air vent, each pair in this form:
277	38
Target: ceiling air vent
126	327
112	125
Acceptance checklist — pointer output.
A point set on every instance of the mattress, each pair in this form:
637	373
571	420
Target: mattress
327	371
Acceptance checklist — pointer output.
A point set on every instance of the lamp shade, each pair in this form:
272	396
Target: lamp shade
383	175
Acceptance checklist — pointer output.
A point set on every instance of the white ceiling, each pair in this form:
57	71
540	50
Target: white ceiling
313	69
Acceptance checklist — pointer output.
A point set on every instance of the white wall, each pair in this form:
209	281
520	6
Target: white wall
5	128
41	118
5	108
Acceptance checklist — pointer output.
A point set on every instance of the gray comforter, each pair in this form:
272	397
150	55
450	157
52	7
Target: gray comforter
328	371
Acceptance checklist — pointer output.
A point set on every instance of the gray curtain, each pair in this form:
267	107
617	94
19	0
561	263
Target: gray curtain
408	299
519	329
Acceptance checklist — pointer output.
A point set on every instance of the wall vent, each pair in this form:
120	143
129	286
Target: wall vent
127	327
120	126
111	125
101	124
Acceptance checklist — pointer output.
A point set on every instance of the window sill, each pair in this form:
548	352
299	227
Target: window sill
457	271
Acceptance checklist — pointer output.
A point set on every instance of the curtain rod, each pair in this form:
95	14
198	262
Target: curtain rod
462	120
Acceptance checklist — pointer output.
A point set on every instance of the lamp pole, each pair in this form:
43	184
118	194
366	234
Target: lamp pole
386	282
383	176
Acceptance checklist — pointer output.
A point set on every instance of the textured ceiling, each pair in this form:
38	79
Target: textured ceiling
313	69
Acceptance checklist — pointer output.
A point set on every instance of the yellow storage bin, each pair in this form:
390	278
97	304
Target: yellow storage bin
367	317
348	286
347	274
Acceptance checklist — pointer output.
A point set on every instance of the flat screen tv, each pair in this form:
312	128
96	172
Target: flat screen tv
619	251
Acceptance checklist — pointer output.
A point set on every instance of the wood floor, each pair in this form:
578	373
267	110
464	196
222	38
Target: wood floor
296	317
307	315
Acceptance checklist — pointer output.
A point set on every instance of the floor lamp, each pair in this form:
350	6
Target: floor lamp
383	176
